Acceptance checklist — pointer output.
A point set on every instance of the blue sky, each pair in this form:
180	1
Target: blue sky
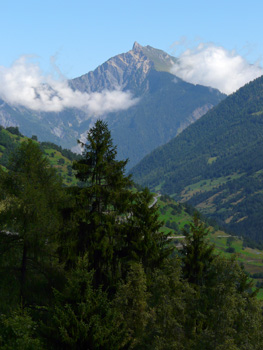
83	34
45	43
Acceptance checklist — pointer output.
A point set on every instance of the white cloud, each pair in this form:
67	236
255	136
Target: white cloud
24	84
214	66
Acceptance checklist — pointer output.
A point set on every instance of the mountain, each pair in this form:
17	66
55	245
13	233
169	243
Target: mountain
165	105
216	164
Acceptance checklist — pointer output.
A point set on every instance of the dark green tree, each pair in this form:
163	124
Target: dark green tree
102	203
114	225
82	316
223	311
144	241
197	258
31	196
134	312
197	253
18	331
168	298
106	185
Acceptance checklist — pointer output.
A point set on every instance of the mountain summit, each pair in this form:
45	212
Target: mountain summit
159	106
126	71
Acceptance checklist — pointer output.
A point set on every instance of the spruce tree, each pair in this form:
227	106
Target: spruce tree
197	253
102	202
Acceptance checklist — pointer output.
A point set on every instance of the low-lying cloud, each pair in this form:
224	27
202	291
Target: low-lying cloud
24	84
214	66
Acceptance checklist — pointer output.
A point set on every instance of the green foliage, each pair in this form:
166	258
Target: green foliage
14	130
131	301
31	196
82	317
197	254
18	331
101	202
10	140
230	250
217	314
144	241
169	295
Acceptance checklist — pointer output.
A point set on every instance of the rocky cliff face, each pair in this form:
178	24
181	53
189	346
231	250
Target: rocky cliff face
125	71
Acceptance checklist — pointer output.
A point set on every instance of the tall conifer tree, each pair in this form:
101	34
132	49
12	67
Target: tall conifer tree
102	202
31	193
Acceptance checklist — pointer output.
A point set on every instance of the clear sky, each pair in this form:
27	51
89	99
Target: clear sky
82	34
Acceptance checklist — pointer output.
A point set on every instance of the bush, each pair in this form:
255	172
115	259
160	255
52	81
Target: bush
61	161
230	250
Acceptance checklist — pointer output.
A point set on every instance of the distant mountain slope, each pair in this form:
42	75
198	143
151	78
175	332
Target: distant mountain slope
169	106
217	163
166	105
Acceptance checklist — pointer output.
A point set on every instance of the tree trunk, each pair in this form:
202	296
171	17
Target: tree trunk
23	274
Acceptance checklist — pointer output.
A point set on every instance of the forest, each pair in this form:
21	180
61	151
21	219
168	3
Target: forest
222	150
87	266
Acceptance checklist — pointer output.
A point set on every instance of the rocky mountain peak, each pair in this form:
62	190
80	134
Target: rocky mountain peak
125	71
137	47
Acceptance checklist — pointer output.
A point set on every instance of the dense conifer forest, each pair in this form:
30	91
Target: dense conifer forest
87	266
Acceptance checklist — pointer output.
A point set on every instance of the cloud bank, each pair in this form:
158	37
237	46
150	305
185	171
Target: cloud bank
214	66
24	84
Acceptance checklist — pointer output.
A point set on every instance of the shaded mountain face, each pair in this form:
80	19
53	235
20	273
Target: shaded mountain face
216	164
166	109
165	105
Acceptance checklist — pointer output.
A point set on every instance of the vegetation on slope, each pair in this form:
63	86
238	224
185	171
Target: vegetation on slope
216	163
60	159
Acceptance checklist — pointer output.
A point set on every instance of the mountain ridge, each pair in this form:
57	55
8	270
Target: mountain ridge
165	104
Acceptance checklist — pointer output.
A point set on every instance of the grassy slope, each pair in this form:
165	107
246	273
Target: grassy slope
252	259
62	164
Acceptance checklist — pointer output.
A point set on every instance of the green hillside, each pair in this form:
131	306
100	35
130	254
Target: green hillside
217	163
60	159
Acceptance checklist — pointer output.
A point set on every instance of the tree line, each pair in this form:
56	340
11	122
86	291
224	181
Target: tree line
87	267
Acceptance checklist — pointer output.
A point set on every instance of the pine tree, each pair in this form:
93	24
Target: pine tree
82	316
102	202
31	196
144	241
197	253
105	182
